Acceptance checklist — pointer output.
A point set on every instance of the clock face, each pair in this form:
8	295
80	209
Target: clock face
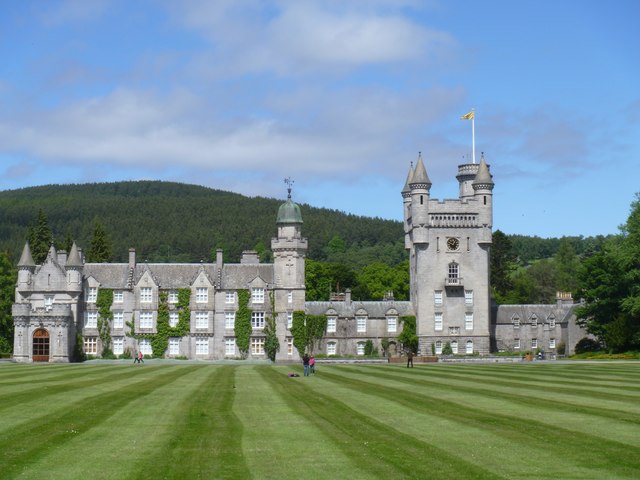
453	243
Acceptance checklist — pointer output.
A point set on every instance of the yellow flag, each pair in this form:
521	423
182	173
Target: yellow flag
468	116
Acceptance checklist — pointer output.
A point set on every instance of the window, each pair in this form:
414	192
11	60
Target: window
118	296
202	320
172	296
48	302
230	298
230	320
454	347
145	346
91	320
289	320
438	321
331	348
229	346
552	321
118	320
92	294
146	320
202	346
290	346
202	295
257	319
174	346
453	271
469	349
392	324
257	346
257	295
534	343
516	321
174	318
438	347
468	297
361	325
118	345
552	343
331	324
289	296
516	344
437	298
468	321
534	321
145	295
360	348
91	345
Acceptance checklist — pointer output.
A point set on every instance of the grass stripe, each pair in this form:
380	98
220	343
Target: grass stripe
373	446
29	442
206	441
600	454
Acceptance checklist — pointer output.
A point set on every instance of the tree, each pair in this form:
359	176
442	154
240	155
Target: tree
8	277
566	264
408	337
610	286
307	330
40	238
502	264
100	249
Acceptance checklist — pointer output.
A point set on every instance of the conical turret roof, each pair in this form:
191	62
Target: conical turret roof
483	177
74	257
406	189
420	176
26	259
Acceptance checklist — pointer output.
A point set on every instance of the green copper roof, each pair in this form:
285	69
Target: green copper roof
289	212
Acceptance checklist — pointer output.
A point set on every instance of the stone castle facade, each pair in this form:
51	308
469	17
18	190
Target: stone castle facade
56	308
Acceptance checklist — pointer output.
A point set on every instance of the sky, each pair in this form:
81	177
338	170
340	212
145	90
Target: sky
340	96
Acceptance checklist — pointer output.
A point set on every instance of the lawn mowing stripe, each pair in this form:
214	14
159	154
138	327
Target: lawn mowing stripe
541	379
367	441
32	440
206	443
13	374
620	426
614	400
279	443
63	384
592	450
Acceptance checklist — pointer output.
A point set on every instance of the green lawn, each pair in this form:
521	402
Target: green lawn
155	421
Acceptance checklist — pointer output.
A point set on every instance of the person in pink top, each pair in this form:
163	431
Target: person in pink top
312	365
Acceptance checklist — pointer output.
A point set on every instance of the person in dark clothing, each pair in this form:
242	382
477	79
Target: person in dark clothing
305	363
410	359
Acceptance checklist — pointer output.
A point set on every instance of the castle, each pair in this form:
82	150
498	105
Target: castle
58	304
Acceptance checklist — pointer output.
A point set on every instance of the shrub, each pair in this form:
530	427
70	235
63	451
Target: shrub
587	345
562	348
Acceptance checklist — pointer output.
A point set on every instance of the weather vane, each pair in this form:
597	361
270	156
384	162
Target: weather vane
289	183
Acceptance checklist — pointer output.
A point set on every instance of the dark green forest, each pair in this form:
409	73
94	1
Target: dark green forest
173	222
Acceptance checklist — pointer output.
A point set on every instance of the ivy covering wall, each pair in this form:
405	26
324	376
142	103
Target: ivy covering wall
242	328
105	319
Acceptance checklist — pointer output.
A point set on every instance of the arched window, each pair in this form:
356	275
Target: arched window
454	346
438	347
469	349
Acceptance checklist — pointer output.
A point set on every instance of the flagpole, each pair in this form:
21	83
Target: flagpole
473	136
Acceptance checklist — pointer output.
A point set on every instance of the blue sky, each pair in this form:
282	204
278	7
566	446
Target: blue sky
339	95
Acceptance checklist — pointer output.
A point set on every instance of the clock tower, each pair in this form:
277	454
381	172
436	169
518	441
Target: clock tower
449	243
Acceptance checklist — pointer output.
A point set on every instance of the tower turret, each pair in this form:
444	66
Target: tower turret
74	267
420	186
26	267
483	192
406	206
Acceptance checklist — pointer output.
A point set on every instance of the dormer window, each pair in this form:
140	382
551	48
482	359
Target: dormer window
257	295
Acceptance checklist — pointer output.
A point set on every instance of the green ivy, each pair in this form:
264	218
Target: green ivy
243	328
307	331
105	318
160	339
408	337
271	344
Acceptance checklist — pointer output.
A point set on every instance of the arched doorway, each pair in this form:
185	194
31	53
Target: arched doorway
40	345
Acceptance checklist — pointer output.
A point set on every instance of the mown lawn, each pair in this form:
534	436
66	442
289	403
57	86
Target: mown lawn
155	421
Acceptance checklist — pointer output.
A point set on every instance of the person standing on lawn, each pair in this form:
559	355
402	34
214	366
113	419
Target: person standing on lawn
305	363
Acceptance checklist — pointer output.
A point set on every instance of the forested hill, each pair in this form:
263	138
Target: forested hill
167	221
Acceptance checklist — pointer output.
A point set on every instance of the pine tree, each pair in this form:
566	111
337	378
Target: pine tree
40	238
100	248
8	276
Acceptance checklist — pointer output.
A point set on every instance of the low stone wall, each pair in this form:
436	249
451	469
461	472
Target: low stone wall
335	361
416	359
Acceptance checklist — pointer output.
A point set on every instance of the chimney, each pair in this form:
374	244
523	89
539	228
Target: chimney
347	296
62	257
219	257
132	258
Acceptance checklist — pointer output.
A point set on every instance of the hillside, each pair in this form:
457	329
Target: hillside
167	221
